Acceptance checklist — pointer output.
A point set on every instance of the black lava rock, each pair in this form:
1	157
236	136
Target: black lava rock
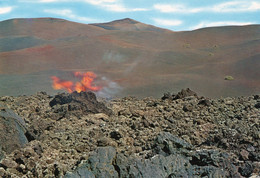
116	135
257	105
204	102
106	162
12	131
185	93
246	170
83	101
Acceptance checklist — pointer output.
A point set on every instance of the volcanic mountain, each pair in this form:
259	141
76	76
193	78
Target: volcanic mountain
129	57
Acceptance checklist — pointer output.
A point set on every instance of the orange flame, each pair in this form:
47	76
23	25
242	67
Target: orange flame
84	85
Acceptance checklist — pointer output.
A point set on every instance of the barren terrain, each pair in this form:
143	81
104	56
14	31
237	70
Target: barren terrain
179	135
129	57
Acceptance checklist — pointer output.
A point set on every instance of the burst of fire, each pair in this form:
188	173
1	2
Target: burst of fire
85	84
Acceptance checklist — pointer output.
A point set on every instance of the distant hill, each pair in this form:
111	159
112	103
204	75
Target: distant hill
128	24
129	57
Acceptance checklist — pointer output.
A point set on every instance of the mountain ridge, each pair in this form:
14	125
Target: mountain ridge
128	24
123	20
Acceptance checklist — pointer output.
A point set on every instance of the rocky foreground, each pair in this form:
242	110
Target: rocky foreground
179	135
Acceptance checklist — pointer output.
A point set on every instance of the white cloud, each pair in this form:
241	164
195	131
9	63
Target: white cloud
231	6
94	2
237	6
43	1
68	14
120	8
5	10
165	8
167	22
114	7
46	1
100	2
139	9
221	23
177	8
109	5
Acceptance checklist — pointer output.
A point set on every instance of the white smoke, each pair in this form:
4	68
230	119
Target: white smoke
110	90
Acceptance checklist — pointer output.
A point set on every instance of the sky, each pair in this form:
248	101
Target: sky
176	15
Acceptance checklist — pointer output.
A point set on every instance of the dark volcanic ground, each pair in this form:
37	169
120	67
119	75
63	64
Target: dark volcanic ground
178	135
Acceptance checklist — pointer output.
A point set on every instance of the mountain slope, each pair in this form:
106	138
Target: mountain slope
129	57
128	24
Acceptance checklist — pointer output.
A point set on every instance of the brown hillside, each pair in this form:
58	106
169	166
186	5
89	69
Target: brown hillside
129	57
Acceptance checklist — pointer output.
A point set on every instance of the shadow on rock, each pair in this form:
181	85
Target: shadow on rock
173	158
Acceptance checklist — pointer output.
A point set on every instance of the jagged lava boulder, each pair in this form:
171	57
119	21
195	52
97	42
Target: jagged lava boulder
86	102
12	131
180	95
173	157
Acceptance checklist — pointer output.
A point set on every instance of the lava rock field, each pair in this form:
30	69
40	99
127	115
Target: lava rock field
178	135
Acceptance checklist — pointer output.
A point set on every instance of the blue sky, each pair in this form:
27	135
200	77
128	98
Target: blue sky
177	15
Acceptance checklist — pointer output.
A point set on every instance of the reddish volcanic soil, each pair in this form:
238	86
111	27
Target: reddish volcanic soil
128	57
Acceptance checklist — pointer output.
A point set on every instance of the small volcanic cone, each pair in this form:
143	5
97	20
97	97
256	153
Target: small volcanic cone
85	84
83	102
